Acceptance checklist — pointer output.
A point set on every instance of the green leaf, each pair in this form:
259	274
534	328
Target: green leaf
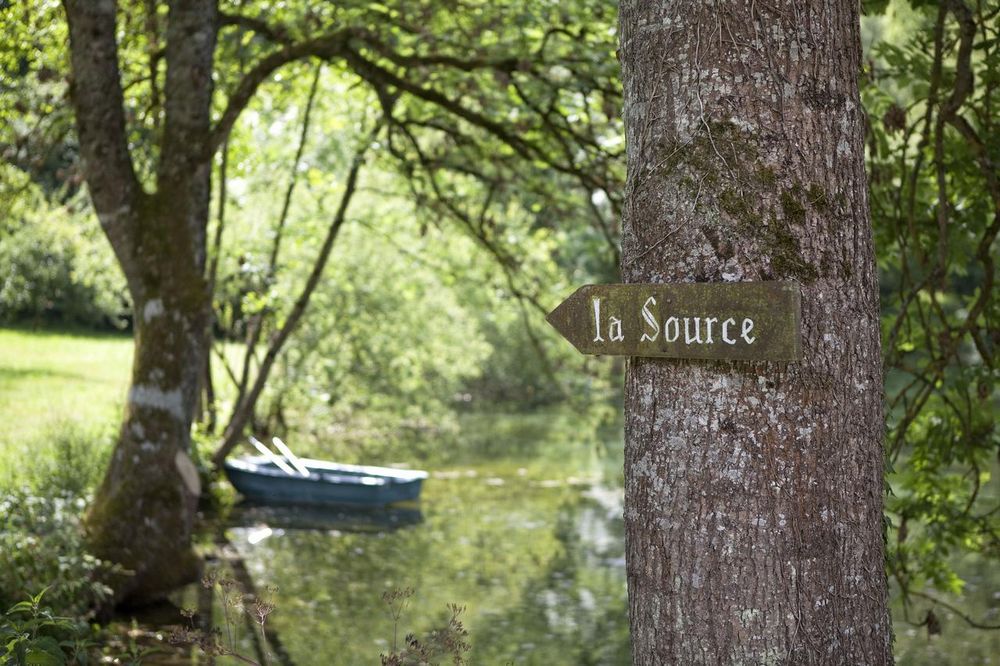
20	607
37	599
36	657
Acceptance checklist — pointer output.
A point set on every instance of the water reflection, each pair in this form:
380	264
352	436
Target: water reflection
258	517
533	546
538	566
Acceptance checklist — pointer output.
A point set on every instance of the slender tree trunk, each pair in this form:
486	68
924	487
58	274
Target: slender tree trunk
753	491
213	272
243	412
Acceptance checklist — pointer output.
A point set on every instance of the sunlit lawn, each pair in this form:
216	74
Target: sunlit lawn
49	377
54	382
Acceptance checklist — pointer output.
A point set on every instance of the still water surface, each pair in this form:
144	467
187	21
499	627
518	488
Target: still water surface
529	540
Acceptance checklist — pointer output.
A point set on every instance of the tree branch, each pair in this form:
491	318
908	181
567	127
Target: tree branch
257	325
97	98
327	47
379	77
507	65
278	35
234	430
187	93
952	608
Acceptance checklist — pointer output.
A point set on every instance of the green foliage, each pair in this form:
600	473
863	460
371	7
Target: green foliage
421	310
55	266
389	351
933	148
466	231
36	119
42	546
32	634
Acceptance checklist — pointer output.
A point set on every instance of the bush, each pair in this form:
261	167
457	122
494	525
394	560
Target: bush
42	546
55	264
30	633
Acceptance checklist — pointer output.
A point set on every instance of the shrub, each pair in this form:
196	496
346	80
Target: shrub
69	459
55	264
42	546
30	633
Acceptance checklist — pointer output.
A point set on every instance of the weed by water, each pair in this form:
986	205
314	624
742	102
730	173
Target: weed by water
445	644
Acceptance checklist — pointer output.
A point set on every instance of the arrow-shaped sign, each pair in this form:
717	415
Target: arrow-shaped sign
745	321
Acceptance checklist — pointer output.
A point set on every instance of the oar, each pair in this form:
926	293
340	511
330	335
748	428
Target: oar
291	457
270	456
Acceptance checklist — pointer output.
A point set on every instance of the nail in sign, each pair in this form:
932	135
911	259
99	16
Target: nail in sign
740	321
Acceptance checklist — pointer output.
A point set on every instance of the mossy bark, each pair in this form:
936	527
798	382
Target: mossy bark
143	513
753	490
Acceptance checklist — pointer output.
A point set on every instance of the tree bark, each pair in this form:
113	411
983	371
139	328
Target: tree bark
143	513
753	491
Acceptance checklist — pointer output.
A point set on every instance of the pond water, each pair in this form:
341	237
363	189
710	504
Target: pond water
529	540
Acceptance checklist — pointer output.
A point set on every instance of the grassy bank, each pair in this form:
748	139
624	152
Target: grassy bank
58	390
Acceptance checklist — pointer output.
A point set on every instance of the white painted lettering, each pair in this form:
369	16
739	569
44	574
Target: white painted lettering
675	322
648	316
747	327
597	320
615	329
725	331
708	325
688	338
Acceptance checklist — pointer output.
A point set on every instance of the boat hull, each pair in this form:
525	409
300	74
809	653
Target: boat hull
327	484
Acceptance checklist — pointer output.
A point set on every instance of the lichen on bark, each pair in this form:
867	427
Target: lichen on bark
721	167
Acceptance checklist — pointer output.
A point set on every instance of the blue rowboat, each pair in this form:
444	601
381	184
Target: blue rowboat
260	479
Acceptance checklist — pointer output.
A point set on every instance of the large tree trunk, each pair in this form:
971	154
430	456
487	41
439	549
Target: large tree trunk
143	514
753	491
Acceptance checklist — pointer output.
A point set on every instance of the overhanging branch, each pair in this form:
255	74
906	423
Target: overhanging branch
327	47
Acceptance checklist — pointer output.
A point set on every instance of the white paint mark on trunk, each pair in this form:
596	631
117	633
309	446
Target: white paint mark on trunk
152	309
110	218
156	398
188	472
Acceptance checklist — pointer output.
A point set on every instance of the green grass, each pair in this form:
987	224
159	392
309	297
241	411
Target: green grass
56	382
47	377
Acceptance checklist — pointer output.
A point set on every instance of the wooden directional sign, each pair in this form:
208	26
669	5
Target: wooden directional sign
744	321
